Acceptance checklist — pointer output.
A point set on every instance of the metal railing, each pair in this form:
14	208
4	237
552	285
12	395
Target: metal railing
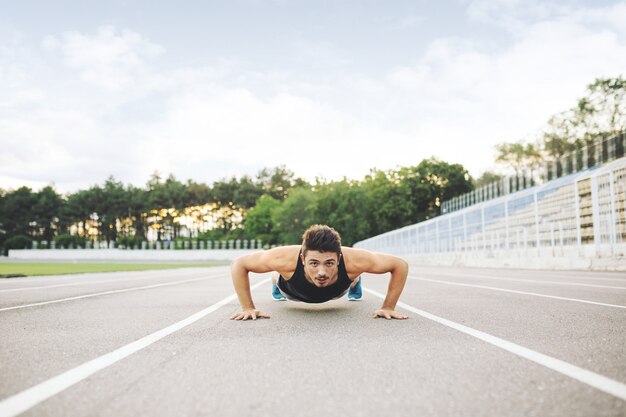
592	156
580	209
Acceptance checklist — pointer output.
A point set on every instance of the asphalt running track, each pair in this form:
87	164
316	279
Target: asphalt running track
479	342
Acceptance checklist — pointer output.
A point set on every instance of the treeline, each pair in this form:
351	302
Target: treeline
274	206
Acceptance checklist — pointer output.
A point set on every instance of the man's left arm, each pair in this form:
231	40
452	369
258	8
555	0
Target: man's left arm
380	263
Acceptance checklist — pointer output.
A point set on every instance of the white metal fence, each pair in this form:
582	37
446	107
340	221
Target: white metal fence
602	151
584	210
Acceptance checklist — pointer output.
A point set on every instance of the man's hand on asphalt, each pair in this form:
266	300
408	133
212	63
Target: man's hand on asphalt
389	314
250	314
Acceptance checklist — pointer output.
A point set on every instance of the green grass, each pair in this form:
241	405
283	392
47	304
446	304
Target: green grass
12	269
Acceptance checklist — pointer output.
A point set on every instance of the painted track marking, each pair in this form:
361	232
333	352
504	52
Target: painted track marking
30	397
576	284
73	284
79	297
600	382
517	292
38	279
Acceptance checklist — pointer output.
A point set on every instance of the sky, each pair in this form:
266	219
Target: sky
206	90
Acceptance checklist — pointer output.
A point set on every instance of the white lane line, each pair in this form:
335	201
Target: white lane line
113	276
577	284
567	275
30	397
600	382
97	294
438	281
619	280
105	281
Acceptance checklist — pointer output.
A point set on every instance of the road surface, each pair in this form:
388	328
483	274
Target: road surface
479	342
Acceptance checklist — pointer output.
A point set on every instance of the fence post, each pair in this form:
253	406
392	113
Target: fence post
506	223
482	224
536	221
437	235
595	214
450	248
464	233
612	228
577	210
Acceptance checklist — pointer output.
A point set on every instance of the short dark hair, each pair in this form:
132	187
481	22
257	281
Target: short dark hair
321	238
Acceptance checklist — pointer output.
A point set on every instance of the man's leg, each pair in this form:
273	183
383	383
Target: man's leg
276	294
355	293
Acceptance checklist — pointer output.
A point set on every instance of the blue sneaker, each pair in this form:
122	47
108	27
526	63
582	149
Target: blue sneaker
276	294
356	293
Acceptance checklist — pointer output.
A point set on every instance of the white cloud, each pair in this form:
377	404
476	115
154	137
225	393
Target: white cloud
110	58
489	95
126	116
235	126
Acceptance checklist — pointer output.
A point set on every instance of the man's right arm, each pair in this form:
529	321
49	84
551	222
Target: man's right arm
239	270
260	262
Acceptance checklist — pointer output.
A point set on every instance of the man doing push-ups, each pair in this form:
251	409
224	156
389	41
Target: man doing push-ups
318	271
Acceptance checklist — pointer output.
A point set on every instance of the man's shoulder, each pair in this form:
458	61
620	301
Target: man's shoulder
354	252
284	255
356	258
288	250
284	259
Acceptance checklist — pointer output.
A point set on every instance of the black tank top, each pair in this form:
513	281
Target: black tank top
300	288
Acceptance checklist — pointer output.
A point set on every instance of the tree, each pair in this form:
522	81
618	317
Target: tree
259	222
343	205
226	211
112	207
606	98
198	194
223	191
17	212
487	178
294	215
446	180
600	113
2	218
81	210
521	157
166	199
387	208
138	204
562	132
247	192
278	181
46	212
512	154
